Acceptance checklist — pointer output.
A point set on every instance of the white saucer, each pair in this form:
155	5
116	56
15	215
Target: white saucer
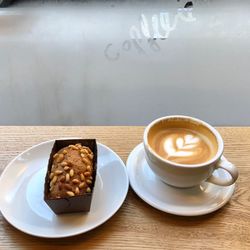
187	202
21	194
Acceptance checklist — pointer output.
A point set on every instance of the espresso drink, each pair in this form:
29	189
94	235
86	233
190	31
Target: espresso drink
183	145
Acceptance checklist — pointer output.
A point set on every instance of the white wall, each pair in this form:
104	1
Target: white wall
95	63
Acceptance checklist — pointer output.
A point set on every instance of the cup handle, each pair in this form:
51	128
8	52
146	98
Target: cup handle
227	166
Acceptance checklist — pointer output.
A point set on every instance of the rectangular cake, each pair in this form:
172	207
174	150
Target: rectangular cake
71	174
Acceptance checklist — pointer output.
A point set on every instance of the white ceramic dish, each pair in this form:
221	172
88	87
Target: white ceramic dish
21	194
200	200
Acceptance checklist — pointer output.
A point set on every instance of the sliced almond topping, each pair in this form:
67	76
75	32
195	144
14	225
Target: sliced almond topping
71	172
84	151
82	185
58	172
64	163
66	168
51	175
60	158
55	155
87	149
70	193
54	179
87	174
75	181
90	156
89	181
67	177
77	191
86	161
82	177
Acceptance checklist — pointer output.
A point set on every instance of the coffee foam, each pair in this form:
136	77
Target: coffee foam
183	142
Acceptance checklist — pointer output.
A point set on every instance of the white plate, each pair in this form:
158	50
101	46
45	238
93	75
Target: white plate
21	194
187	202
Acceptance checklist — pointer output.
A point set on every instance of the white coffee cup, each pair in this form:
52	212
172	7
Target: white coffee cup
189	175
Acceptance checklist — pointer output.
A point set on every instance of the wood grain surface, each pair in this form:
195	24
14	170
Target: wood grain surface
137	225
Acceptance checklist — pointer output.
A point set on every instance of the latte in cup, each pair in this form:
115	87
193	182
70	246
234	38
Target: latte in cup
184	151
183	142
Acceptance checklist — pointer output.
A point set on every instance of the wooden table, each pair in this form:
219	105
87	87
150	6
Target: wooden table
137	225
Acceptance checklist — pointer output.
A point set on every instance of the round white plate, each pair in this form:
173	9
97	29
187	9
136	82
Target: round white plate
187	202
21	194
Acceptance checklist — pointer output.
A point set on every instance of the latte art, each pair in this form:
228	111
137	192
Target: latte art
183	146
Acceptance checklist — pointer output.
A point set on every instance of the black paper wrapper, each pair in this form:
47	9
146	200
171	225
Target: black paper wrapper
78	203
